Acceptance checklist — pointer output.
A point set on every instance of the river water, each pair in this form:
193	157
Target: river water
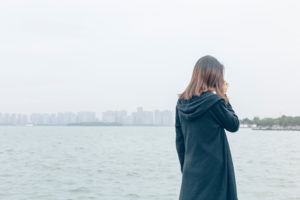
128	163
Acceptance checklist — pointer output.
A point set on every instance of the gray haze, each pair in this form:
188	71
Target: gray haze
115	54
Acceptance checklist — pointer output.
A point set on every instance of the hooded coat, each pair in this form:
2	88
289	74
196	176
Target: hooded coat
202	147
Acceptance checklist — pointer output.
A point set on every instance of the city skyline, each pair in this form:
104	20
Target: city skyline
155	117
141	116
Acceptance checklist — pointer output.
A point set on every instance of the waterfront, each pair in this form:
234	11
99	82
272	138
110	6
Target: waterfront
127	163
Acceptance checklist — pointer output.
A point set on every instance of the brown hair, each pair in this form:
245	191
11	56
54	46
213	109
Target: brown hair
208	75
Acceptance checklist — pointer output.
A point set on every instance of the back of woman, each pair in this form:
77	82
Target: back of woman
203	113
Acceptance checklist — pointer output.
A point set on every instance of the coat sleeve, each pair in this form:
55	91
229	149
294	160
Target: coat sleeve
225	115
179	141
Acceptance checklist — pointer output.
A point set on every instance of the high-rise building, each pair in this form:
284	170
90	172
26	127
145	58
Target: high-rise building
109	116
164	117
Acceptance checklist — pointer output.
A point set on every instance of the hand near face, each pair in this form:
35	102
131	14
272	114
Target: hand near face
225	87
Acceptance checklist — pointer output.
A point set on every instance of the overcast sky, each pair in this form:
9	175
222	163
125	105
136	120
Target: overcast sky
120	54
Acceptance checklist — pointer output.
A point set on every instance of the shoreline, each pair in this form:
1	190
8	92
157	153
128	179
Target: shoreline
276	129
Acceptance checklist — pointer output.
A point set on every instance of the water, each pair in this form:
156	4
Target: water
128	163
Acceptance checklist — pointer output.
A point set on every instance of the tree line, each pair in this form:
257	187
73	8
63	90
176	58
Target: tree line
281	121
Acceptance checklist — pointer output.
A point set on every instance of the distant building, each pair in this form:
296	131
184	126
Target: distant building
109	116
121	116
164	117
86	117
13	119
62	118
140	117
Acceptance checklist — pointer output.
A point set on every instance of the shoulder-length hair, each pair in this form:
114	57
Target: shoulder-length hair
208	75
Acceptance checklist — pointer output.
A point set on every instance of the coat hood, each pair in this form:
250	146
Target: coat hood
197	105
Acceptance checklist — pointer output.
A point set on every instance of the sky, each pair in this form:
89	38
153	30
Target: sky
93	55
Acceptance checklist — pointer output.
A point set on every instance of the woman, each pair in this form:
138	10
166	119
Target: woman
203	112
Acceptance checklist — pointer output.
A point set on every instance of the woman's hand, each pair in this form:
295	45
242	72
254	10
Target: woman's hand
225	87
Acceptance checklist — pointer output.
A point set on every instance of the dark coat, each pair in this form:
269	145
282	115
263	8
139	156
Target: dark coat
203	149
